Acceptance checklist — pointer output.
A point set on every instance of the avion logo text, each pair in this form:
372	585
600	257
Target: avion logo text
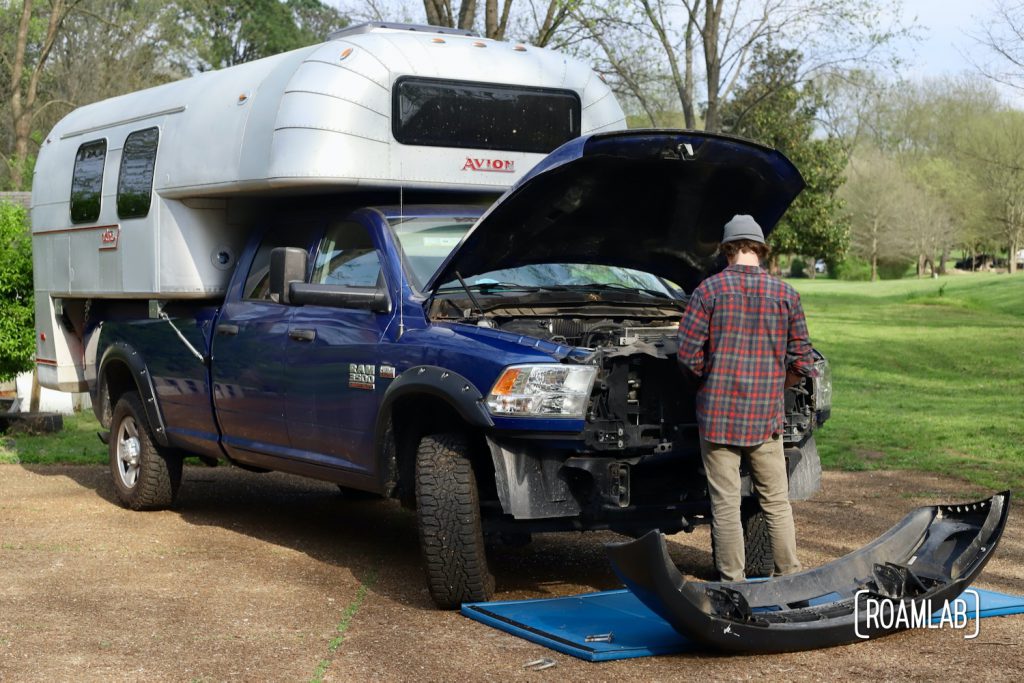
489	165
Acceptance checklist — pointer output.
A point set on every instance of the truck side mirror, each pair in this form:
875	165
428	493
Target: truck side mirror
287	265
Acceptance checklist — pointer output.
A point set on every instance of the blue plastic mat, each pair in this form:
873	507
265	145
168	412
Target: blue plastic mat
563	624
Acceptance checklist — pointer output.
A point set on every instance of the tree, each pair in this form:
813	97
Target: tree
219	35
1002	34
710	43
36	34
547	17
955	205
996	156
17	335
928	128
772	110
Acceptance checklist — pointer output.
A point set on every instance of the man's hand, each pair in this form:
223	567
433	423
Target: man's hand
792	379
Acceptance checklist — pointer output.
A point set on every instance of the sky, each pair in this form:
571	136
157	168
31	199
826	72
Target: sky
944	40
944	45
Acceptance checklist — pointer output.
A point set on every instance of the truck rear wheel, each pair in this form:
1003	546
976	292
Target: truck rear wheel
145	477
448	516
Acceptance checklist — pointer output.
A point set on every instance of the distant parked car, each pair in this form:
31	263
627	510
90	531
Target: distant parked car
980	261
819	266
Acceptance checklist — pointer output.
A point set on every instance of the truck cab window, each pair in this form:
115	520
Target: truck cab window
257	282
347	257
87	182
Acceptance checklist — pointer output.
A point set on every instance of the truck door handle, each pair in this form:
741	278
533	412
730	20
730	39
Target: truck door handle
302	335
226	329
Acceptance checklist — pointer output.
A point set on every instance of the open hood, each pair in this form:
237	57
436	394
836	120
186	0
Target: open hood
651	200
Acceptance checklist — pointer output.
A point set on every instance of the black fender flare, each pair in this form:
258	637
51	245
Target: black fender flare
428	380
120	352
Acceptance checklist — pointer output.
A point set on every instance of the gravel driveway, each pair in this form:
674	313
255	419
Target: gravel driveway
271	577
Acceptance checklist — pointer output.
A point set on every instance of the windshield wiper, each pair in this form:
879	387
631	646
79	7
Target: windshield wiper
488	287
620	287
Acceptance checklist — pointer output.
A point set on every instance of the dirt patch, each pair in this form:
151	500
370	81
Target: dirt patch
271	577
869	455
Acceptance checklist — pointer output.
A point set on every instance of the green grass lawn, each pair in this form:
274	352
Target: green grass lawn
76	444
928	374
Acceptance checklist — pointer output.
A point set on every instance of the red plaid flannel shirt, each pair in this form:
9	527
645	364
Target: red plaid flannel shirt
741	331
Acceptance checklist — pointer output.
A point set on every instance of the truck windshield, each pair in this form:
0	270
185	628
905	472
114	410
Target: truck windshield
427	240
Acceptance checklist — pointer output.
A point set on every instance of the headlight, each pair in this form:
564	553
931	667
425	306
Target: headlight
548	390
823	385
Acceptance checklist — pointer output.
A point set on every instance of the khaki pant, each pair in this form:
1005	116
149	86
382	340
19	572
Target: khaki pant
768	468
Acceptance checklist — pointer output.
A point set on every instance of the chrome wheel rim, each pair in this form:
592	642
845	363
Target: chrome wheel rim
128	451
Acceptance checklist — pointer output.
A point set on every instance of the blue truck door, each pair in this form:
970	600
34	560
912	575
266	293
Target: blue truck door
335	378
250	374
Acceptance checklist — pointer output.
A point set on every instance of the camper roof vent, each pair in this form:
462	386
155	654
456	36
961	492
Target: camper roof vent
422	28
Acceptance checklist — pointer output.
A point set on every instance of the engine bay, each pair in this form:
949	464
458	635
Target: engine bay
641	402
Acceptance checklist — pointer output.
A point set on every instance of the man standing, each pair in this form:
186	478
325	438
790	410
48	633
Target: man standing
745	338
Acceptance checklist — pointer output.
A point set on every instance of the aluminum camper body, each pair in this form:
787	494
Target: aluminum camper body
323	119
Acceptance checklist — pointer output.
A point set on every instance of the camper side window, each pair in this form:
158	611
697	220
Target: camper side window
135	180
347	257
87	182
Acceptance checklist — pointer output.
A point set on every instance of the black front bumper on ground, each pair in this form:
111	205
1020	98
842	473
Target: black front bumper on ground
932	555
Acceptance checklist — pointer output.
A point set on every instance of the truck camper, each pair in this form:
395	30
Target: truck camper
409	261
152	195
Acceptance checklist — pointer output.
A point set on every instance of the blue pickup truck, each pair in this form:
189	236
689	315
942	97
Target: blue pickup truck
504	370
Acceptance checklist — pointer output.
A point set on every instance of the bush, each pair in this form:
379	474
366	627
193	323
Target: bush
798	267
852	268
17	329
893	269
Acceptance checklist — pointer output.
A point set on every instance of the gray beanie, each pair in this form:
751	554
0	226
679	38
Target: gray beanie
742	227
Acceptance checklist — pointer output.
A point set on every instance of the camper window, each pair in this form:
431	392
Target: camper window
443	113
87	182
135	180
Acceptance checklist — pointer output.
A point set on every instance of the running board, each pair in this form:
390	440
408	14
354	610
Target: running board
932	555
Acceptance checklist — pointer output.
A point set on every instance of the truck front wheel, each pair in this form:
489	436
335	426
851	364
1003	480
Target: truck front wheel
448	516
145	477
757	545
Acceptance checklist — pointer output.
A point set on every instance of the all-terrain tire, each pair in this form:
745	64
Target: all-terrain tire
450	529
145	476
757	545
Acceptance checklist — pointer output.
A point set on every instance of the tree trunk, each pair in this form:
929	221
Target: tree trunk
490	18
942	260
689	117
18	114
23	95
439	13
467	14
874	253
683	81
712	61
1011	262
920	265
